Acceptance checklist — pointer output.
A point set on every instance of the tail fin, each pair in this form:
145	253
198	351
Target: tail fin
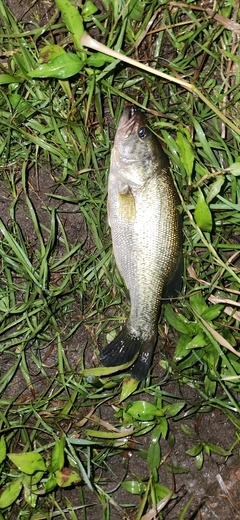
141	366
124	347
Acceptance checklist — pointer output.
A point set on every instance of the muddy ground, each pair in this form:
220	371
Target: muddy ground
216	486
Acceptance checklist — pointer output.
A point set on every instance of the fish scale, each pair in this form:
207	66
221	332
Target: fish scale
149	241
146	235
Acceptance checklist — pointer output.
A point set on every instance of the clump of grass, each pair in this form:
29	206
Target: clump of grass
59	106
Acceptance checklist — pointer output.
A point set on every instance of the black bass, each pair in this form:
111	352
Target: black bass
146	235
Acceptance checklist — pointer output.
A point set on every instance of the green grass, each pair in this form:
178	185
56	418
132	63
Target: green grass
61	291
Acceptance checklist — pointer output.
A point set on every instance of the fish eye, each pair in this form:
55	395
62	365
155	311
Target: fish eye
142	132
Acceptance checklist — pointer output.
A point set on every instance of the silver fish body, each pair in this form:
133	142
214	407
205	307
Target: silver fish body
146	235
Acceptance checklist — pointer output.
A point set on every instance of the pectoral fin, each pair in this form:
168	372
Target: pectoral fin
126	204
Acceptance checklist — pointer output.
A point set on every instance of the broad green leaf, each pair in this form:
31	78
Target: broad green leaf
160	491
198	302
163	426
193	452
142	411
3	449
146	427
212	312
215	188
61	67
57	460
198	341
98	59
171	440
199	460
176	320
134	487
210	386
6	79
128	387
66	477
109	435
50	483
173	409
153	458
177	470
73	21
30	480
143	454
136	10
202	214
10	493
28	462
30	495
217	449
181	349
17	101
235	168
50	51
106	371
156	433
40	515
188	431
212	357
186	152
88	10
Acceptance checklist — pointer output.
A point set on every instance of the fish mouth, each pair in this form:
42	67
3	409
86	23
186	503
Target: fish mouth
130	121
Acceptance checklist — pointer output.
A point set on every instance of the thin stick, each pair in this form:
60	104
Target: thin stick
87	41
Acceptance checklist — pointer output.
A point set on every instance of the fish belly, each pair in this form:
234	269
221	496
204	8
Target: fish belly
143	226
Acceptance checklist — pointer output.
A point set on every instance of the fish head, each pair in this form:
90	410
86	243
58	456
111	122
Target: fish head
136	151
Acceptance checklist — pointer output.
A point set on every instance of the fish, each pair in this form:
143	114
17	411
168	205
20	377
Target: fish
146	228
